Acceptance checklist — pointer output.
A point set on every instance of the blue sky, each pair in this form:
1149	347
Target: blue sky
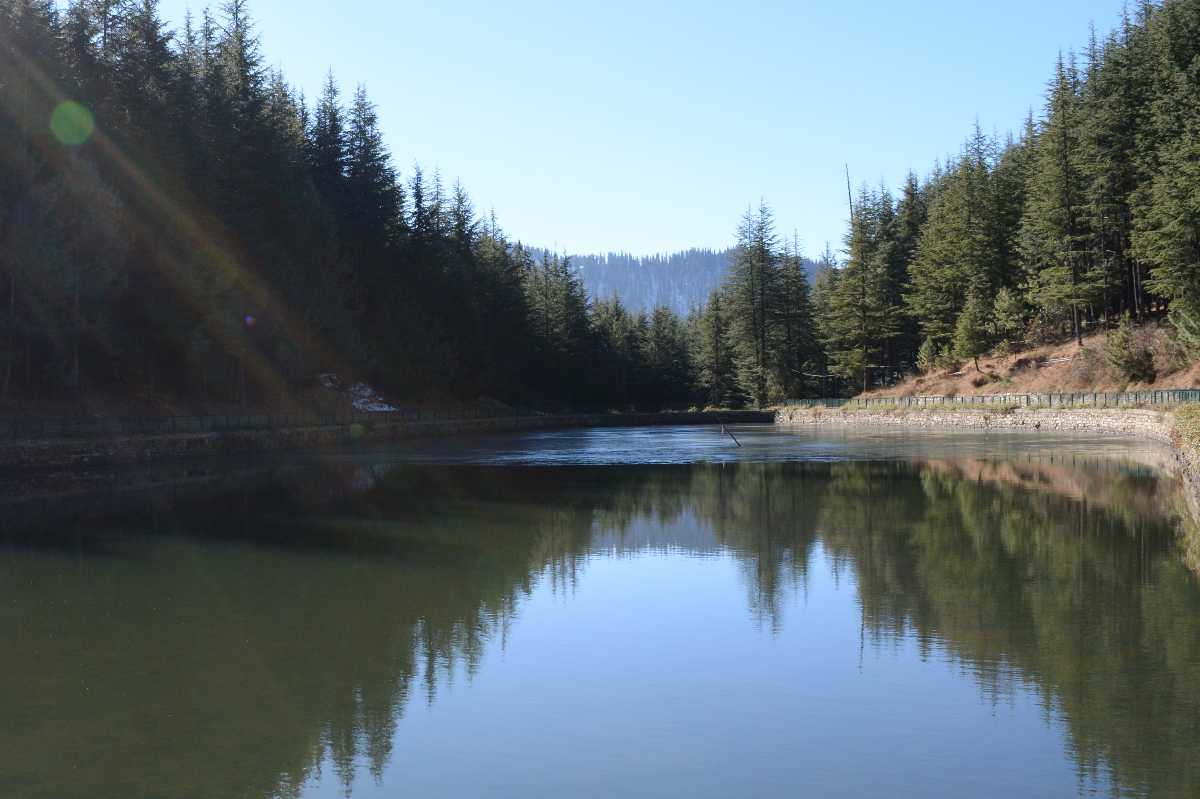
650	126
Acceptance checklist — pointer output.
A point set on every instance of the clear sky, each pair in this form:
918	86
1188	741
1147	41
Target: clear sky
650	126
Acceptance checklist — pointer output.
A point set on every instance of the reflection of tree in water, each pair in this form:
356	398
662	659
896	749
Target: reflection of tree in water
163	667
297	637
1086	603
1065	579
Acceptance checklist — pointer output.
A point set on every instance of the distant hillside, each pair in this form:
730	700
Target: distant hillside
681	280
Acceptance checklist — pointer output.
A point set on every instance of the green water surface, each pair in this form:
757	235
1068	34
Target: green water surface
651	613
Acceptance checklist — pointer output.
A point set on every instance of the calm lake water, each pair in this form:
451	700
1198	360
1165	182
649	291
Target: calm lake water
600	613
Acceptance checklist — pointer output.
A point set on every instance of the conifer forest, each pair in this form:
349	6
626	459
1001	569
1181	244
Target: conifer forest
177	218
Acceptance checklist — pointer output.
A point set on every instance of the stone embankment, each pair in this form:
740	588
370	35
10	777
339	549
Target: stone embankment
1150	425
73	452
1156	425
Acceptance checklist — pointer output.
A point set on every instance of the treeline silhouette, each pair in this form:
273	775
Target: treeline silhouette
177	220
1089	220
1090	216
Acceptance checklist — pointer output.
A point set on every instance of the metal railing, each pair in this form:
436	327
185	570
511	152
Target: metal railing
1077	399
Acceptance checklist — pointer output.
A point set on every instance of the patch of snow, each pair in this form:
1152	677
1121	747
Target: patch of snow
365	398
362	396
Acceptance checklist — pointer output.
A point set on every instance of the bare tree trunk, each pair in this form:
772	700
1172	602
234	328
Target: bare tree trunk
12	333
1134	310
75	382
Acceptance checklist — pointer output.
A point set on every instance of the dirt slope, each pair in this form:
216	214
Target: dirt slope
1051	368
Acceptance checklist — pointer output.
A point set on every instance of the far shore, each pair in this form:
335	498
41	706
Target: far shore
1177	429
67	453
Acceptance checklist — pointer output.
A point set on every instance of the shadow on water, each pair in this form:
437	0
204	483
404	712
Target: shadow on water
232	634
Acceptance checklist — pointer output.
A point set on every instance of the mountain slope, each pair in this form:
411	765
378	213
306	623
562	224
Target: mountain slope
680	281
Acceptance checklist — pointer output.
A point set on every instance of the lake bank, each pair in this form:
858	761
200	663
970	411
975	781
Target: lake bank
132	449
1152	425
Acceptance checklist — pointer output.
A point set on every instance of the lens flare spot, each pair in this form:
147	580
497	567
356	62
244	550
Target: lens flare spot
250	320
71	123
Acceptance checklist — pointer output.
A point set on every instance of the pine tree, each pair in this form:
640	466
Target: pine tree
1112	102
667	358
970	331
927	356
620	342
753	291
795	344
1009	315
142	76
911	212
1007	189
1053	233
327	150
1126	359
961	245
1167	234
716	374
863	316
373	201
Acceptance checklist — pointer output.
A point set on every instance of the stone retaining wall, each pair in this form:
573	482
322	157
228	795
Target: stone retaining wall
1145	424
1157	425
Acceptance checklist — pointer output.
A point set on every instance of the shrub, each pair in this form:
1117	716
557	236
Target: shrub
1087	368
970	331
1185	316
1128	358
927	356
1008	313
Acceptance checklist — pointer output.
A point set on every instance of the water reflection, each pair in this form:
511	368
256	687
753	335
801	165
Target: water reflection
245	637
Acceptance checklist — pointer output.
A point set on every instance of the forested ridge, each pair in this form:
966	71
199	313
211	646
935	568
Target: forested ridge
681	281
179	220
1089	219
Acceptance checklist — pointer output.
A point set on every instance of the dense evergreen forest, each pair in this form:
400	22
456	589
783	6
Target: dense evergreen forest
1090	219
178	220
681	281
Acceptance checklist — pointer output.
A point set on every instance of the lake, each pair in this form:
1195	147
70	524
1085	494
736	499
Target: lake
621	612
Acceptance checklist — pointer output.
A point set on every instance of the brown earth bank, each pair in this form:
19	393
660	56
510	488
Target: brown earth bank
1178	430
66	453
1054	368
